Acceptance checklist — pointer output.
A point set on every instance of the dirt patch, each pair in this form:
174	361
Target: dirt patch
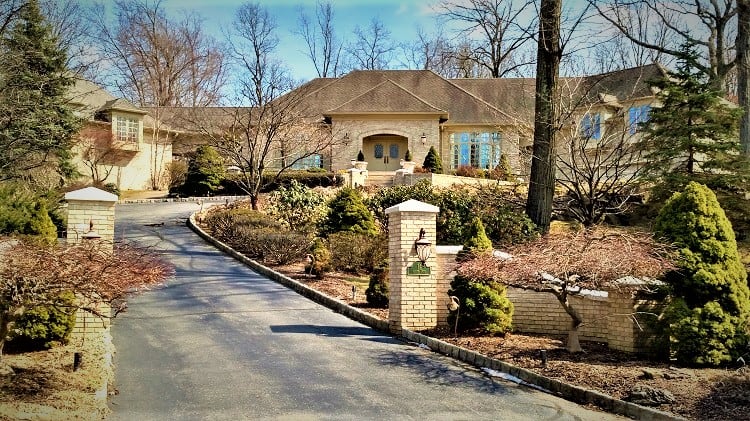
699	393
45	387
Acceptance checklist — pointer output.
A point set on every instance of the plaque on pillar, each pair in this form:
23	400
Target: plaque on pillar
417	269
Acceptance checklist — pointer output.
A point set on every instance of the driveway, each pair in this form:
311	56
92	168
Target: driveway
221	342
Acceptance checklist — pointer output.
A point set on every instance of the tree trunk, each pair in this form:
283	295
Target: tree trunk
743	68
542	179
572	345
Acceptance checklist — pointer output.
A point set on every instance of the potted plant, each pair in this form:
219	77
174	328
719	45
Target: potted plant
407	164
360	163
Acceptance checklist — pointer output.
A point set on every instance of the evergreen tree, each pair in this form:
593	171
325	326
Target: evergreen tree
709	314
477	241
347	212
432	161
36	123
205	172
693	135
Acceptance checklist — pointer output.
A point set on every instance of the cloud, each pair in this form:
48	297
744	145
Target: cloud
403	9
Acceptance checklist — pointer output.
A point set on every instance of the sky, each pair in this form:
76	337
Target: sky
401	17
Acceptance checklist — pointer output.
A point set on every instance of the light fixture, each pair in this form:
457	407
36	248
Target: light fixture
424	138
91	234
346	138
423	246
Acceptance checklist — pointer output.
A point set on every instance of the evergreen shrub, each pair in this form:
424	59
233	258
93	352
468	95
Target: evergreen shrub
41	327
347	212
484	305
297	205
710	310
355	252
377	290
432	161
205	172
321	259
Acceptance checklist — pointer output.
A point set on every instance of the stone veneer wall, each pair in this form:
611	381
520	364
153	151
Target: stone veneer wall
80	213
89	323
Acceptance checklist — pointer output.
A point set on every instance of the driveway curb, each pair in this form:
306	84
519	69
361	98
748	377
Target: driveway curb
184	199
555	387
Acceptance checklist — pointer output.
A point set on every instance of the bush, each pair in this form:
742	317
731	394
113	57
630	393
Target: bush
391	196
377	290
477	241
40	327
504	223
407	155
177	171
709	314
23	213
360	156
321	259
299	206
456	208
484	305
432	161
503	171
281	247
205	172
347	212
469	171
110	187
357	253
225	223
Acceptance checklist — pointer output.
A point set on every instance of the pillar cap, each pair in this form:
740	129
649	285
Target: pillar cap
412	205
91	194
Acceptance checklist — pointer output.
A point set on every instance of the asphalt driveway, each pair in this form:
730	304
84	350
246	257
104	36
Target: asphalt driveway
220	342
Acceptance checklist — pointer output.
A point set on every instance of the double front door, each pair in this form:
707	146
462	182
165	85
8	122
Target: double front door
384	152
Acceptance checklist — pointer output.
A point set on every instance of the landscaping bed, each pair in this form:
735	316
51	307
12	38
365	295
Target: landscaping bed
699	393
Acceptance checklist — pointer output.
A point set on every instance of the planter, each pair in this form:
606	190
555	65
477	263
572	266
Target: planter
360	165
408	166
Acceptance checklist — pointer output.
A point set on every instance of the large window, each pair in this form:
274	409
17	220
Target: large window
636	116
481	150
591	126
126	128
312	161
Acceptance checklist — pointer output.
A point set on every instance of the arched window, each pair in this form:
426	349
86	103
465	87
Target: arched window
378	151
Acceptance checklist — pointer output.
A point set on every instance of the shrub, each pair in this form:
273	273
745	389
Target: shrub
347	212
281	247
432	161
23	213
297	205
456	207
407	155
483	305
205	172
225	223
356	253
469	171
502	171
391	196
504	223
321	259
360	156
40	327
110	187
177	171
377	290
709	314
477	242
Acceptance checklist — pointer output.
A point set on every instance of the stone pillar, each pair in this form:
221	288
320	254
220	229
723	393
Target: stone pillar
412	298
357	177
87	207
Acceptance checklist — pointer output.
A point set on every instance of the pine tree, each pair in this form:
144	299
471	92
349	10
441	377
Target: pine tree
432	161
710	311
205	172
693	135
347	212
36	123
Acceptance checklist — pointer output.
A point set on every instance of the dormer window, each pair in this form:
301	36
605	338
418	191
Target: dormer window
125	128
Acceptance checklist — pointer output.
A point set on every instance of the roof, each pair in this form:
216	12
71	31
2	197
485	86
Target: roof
387	97
92	98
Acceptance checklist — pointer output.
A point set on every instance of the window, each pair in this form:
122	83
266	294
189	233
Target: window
312	161
393	151
591	126
126	128
636	116
480	150
378	151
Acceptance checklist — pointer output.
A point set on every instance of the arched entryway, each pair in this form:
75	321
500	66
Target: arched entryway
384	152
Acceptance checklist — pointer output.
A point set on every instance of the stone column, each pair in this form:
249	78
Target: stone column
88	209
412	297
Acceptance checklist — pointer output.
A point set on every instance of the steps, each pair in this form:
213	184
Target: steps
379	178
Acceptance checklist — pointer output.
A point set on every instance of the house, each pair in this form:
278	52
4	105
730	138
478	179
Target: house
119	143
383	113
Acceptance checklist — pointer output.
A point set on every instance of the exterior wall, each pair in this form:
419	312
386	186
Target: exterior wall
510	139
88	323
445	180
360	127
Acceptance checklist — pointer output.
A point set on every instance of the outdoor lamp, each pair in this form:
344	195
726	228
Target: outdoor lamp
424	138
91	234
423	246
346	138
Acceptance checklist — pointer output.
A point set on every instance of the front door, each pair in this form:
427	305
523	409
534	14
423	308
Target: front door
384	152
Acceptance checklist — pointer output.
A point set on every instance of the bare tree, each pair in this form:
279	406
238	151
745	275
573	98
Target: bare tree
675	24
372	48
429	52
498	29
276	131
323	47
592	259
542	178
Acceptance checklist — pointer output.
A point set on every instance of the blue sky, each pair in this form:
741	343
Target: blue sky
402	17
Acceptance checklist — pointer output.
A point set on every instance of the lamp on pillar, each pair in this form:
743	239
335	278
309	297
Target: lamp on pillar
423	246
91	234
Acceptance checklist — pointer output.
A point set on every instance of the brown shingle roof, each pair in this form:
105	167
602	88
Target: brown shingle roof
387	97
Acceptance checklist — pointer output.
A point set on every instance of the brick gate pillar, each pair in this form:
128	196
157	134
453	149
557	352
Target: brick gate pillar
91	209
412	296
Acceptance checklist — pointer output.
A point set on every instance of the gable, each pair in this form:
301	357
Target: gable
387	97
